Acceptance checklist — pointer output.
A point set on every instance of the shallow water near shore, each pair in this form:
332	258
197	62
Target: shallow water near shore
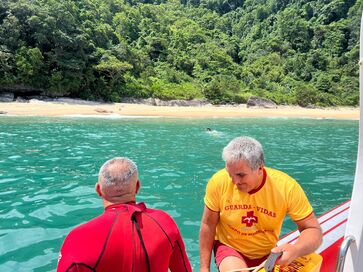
48	167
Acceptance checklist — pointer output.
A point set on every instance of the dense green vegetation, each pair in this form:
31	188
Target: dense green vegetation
293	52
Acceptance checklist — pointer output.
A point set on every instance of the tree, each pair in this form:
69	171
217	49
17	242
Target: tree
7	65
29	63
295	30
112	70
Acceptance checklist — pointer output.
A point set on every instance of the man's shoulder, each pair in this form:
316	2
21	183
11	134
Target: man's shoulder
87	237
93	225
278	175
161	218
220	180
158	213
220	175
282	181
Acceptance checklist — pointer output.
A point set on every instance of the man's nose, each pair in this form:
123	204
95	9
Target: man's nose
236	180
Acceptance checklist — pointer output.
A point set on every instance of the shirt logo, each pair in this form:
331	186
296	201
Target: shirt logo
250	219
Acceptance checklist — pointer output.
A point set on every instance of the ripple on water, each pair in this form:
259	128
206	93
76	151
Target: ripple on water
158	169
173	213
32	264
159	205
170	174
8	192
12	214
52	159
172	186
14	157
60	209
7	134
191	223
7	180
15	239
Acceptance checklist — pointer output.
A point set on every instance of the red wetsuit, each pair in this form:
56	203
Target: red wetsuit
126	237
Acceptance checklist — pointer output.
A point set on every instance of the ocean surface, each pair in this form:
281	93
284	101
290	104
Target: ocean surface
48	168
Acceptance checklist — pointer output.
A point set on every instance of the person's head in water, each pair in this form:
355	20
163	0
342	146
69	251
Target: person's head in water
209	129
118	181
244	163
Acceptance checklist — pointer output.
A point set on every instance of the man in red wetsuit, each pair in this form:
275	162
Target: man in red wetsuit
127	236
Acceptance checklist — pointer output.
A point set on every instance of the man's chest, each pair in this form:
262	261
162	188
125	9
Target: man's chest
252	213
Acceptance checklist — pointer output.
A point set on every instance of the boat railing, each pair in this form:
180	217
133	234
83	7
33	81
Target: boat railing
348	241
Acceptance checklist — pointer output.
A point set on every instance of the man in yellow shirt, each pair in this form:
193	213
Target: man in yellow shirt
245	205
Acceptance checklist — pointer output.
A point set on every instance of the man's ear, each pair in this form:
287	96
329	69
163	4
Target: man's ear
98	189
261	167
138	185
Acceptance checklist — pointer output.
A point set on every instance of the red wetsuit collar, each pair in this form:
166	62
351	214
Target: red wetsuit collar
261	185
133	206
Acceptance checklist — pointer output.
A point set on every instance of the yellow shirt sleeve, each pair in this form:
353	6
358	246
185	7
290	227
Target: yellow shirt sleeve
298	204
212	195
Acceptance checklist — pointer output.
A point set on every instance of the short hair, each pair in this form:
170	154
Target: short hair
118	176
244	148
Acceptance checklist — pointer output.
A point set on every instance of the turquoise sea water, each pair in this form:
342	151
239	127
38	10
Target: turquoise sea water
48	167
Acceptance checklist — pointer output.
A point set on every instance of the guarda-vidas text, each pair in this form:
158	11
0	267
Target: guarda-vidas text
249	207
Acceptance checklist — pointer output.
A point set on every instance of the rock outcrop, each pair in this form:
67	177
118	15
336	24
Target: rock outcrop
260	102
6	97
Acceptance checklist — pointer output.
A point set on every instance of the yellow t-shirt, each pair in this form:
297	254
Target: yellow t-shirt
251	223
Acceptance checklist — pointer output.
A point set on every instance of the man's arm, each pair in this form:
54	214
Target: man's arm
309	240
65	258
206	237
179	261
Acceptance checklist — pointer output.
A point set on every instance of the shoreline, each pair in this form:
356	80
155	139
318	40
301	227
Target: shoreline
61	109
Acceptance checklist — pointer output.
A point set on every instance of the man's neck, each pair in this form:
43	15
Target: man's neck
118	200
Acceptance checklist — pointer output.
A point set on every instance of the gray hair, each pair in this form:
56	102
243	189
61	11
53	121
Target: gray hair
244	148
119	175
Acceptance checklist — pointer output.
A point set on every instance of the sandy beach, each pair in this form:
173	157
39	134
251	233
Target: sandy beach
53	109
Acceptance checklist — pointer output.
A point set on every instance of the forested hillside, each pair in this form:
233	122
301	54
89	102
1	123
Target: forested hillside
291	51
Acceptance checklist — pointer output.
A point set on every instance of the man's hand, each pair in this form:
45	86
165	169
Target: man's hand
289	253
309	240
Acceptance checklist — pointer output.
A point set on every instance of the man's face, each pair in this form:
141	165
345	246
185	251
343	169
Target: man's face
243	176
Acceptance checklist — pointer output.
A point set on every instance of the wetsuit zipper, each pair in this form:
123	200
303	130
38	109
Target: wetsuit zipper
134	221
